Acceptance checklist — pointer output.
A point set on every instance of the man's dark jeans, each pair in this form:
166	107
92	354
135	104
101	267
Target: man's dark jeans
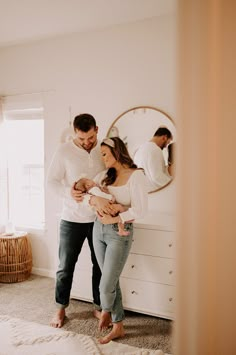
72	237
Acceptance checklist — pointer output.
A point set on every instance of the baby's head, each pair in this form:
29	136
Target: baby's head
84	184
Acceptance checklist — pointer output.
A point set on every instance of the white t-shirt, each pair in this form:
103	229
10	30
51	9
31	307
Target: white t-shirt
150	157
133	195
68	164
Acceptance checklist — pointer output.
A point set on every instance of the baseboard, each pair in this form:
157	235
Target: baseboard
43	272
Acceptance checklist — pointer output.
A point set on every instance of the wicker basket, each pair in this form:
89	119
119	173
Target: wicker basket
15	258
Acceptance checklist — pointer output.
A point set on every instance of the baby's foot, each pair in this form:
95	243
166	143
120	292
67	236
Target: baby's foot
124	233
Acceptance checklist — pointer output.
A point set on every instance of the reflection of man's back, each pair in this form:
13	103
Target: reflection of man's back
149	156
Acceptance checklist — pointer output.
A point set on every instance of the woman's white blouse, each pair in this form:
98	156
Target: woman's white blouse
133	195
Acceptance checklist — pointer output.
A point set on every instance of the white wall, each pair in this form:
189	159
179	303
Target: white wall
104	73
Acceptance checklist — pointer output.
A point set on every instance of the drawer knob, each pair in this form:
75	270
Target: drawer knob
170	272
170	245
134	292
132	266
170	299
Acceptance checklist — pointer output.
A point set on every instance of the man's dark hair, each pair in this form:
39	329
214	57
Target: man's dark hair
84	122
163	131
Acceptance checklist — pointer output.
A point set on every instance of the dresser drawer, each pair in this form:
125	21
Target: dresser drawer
148	298
153	242
84	259
150	268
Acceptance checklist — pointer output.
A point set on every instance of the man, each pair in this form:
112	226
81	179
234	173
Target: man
149	156
71	160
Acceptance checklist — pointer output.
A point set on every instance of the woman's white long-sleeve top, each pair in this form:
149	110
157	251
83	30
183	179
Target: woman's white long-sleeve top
132	195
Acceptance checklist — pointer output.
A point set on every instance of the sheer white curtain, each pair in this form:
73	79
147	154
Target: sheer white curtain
206	260
22	161
23	107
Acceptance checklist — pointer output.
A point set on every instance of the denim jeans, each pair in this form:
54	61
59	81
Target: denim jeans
72	237
112	251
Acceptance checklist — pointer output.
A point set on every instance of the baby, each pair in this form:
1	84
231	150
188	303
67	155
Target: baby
89	187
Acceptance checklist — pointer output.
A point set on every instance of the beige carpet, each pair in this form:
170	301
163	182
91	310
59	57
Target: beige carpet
33	300
19	337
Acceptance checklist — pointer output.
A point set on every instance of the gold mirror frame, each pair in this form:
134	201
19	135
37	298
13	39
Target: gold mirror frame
163	119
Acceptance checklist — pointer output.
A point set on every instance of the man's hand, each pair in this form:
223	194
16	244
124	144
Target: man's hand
76	194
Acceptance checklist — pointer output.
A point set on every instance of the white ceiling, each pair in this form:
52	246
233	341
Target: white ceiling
22	21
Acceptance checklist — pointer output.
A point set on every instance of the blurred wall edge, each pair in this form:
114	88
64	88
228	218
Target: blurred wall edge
206	204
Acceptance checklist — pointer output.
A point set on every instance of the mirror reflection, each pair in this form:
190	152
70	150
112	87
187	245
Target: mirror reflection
150	136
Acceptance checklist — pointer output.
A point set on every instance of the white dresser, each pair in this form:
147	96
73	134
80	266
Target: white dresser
148	279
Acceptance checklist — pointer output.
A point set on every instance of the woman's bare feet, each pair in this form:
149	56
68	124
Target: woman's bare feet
97	314
58	319
105	320
116	332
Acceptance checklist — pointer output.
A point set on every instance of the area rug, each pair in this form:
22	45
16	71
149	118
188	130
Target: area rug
19	337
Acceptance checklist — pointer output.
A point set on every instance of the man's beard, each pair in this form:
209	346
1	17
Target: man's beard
89	147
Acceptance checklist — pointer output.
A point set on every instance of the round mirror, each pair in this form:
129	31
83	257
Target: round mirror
149	134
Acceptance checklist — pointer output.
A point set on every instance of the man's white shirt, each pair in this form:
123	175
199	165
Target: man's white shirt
68	164
150	157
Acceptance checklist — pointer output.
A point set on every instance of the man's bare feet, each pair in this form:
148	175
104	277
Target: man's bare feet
58	319
97	313
116	332
105	320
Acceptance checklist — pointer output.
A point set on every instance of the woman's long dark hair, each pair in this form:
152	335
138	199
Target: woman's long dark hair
121	154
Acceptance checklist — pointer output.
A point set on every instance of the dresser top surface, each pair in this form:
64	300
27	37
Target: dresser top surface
157	220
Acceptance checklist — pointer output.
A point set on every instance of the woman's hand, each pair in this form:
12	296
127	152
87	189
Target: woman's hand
76	194
102	205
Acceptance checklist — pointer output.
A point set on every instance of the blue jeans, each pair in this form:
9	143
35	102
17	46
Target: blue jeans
72	237
112	251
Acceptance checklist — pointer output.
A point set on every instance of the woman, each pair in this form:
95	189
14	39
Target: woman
127	184
171	158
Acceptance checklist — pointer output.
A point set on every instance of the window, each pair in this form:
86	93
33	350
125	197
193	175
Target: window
22	167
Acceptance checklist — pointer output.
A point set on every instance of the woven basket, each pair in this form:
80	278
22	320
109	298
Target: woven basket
15	258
